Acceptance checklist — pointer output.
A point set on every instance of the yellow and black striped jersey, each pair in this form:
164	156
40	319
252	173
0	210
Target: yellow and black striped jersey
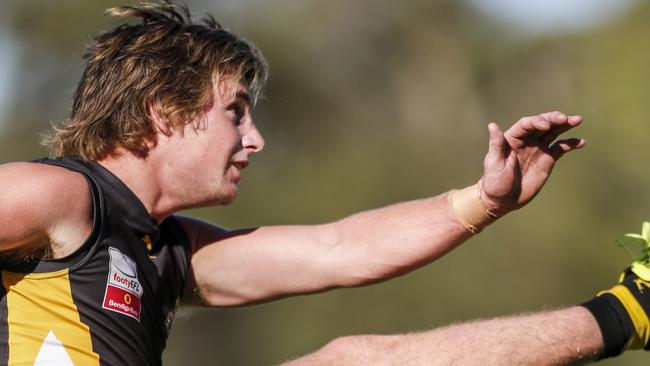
109	303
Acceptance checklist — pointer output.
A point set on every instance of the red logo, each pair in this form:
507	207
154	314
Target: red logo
122	301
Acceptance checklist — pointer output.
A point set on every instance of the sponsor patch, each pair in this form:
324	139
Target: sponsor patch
123	290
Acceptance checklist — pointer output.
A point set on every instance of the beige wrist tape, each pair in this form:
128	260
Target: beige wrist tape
469	210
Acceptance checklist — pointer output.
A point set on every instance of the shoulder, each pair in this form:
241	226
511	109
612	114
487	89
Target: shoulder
42	200
48	181
33	182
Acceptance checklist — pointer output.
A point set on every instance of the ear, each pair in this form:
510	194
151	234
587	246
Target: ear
160	122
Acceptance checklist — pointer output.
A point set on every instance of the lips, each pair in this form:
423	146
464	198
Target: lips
237	166
240	164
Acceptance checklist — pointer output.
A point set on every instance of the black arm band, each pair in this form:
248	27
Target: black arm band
614	322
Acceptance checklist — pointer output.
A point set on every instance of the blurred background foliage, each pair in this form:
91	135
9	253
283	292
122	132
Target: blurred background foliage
372	102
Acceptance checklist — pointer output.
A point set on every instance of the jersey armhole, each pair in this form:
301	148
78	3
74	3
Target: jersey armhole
87	248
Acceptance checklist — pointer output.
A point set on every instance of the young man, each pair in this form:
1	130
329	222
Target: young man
94	260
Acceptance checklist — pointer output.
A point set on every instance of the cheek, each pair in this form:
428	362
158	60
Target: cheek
231	141
218	154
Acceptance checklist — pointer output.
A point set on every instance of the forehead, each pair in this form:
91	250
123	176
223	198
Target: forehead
229	90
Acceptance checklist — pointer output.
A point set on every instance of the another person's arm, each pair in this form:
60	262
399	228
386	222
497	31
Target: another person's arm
248	266
562	337
615	321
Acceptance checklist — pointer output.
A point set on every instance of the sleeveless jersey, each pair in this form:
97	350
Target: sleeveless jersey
109	303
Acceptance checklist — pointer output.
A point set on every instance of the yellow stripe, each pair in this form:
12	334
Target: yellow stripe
38	305
637	314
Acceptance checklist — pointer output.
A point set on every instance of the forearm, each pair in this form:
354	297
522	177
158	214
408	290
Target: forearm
563	337
386	242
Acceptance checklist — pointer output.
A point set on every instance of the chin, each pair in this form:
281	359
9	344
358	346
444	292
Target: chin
227	201
227	198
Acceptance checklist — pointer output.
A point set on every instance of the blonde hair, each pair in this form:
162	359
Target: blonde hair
168	61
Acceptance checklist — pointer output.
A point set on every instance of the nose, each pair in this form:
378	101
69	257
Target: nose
253	140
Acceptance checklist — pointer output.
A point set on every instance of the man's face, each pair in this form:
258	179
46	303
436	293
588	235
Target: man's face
214	150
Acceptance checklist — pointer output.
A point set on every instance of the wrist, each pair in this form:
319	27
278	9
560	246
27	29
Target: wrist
492	205
470	210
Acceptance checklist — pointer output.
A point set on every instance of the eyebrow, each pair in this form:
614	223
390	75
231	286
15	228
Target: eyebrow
243	95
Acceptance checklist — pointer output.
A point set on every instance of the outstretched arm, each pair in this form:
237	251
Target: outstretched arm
563	337
613	322
247	266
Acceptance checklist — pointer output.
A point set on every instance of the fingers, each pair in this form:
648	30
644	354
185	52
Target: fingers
555	117
562	147
575	120
529	126
571	122
548	125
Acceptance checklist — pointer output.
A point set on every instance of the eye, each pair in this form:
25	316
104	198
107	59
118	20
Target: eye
236	112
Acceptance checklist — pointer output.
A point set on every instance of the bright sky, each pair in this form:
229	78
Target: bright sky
538	17
529	17
7	67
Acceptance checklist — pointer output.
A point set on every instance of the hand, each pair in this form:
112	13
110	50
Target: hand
519	161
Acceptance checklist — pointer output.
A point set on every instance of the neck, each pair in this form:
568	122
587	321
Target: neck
141	176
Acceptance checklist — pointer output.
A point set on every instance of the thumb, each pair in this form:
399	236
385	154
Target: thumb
497	151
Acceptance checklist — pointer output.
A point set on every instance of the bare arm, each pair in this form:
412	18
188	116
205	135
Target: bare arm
234	268
563	337
42	209
239	267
